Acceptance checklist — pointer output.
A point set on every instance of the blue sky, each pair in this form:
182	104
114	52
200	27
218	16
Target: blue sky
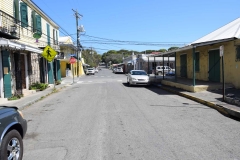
166	22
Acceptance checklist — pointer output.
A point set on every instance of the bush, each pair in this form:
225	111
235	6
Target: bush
38	86
15	97
58	82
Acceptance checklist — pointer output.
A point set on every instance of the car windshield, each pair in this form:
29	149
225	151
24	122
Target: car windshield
90	69
139	73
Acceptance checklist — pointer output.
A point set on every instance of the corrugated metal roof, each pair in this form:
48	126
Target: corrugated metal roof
230	30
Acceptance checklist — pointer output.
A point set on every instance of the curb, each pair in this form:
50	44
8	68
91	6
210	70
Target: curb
209	104
29	103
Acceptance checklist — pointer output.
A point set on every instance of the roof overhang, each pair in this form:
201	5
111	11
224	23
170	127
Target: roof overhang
32	49
213	42
6	43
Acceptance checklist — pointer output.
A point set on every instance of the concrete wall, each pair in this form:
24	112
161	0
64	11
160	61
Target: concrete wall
231	66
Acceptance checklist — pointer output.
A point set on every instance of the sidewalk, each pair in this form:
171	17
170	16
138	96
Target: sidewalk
211	99
30	99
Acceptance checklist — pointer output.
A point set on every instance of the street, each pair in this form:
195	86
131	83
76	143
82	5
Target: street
101	118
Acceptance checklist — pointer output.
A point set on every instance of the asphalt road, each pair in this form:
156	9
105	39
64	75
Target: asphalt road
101	118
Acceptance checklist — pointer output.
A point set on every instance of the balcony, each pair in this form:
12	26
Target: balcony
9	29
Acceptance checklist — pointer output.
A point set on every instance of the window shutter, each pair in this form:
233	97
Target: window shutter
34	25
16	9
48	34
54	40
24	15
57	36
38	24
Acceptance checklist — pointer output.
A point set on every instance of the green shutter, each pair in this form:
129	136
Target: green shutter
6	76
34	25
48	34
57	36
197	65
16	9
39	24
24	15
50	73
58	70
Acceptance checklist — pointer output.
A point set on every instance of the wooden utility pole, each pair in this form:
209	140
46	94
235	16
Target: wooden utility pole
78	16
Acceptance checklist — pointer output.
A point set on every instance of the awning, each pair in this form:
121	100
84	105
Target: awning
32	49
8	44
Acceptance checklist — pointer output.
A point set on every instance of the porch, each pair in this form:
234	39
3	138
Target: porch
187	84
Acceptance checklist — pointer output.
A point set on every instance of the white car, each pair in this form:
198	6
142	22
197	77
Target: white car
119	70
138	77
167	70
90	71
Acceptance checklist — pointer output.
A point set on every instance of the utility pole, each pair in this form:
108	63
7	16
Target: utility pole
78	16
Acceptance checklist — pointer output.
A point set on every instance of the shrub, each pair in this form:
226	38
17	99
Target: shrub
38	86
15	97
58	82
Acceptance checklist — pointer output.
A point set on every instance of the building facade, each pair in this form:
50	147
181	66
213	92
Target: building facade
25	30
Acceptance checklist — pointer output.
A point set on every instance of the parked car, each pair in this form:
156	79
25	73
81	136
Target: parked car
119	70
13	128
90	71
138	77
167	69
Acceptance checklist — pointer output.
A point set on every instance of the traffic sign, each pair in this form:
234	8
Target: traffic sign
72	60
49	53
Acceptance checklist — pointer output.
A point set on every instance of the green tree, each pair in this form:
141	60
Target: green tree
172	48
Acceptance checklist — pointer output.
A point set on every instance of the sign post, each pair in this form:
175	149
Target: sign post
72	61
223	79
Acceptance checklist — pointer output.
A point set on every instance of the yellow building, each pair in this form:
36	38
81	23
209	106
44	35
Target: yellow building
69	50
214	58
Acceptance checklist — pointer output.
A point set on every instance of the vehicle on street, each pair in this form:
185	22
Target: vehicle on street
90	71
13	128
138	77
119	70
165	69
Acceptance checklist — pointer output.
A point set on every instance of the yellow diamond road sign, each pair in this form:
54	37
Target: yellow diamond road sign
49	53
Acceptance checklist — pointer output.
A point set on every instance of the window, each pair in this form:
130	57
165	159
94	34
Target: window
48	34
34	25
54	39
238	53
197	64
39	24
24	15
16	10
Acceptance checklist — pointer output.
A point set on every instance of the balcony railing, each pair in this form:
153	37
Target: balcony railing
8	26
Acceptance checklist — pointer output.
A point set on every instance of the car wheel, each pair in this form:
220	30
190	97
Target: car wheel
12	146
129	84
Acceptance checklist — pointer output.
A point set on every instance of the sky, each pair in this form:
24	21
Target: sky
139	25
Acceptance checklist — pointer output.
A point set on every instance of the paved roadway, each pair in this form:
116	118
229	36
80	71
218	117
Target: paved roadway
101	118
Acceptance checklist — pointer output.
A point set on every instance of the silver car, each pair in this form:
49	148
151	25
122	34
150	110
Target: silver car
90	71
138	77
